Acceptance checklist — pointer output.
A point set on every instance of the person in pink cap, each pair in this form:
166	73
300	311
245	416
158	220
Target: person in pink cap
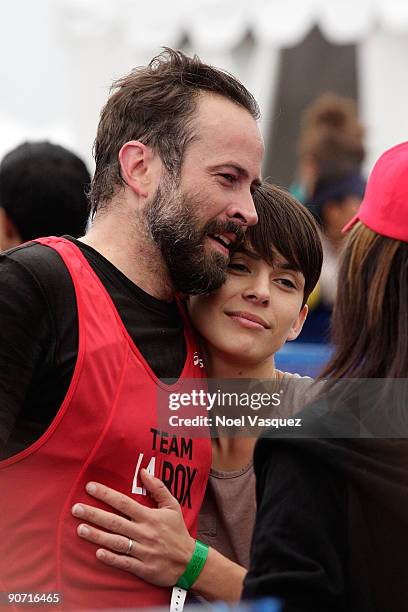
332	505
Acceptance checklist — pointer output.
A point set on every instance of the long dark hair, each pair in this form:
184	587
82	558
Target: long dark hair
370	318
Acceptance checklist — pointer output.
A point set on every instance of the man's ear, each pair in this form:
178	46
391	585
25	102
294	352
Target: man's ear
9	236
298	324
139	167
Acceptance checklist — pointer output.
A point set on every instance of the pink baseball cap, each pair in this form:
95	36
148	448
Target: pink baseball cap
384	208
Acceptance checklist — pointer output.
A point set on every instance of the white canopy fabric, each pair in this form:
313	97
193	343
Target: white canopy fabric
220	25
59	57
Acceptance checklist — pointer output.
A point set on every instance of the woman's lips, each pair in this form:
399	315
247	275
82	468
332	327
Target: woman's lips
248	320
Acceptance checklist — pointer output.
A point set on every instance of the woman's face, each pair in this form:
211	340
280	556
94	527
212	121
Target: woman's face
255	311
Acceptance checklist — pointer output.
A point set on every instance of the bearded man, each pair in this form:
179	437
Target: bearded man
89	328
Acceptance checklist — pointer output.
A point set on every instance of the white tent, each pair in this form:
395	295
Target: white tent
60	56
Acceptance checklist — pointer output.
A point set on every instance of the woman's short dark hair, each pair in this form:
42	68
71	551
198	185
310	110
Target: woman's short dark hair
155	104
288	228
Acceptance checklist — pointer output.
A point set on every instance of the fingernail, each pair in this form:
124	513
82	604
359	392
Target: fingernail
83	530
100	554
91	487
78	510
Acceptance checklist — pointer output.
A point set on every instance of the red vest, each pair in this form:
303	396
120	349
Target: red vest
105	431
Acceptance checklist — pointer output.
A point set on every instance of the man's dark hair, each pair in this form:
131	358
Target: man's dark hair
287	228
155	104
43	190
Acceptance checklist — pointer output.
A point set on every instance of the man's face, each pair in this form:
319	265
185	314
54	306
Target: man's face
201	218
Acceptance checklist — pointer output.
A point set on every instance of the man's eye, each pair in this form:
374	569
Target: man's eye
231	178
237	267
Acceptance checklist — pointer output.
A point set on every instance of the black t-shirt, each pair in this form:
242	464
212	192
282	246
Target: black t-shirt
39	335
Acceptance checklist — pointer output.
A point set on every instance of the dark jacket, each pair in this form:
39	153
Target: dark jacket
331	532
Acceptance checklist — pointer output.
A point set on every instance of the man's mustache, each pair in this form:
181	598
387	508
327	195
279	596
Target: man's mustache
226	227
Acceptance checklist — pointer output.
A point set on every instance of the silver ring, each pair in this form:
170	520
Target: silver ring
130	546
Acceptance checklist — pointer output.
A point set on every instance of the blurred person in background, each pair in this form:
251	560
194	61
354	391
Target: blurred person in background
330	184
332	530
42	193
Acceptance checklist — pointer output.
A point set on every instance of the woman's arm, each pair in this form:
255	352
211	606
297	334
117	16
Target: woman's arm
162	546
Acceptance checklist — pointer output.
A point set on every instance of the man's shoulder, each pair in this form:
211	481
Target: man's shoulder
34	267
33	256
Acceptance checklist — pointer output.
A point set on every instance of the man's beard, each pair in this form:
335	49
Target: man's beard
173	221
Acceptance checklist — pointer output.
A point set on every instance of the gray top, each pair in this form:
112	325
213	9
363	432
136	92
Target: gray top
227	516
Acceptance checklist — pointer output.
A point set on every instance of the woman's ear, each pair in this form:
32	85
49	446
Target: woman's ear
298	324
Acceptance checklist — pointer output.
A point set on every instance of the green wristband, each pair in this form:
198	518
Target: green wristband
194	567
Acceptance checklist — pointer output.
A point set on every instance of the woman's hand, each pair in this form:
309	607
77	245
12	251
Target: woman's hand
153	543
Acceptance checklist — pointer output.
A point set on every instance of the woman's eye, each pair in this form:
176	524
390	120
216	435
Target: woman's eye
287	283
237	267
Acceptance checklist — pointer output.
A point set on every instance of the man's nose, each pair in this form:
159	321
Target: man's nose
243	211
